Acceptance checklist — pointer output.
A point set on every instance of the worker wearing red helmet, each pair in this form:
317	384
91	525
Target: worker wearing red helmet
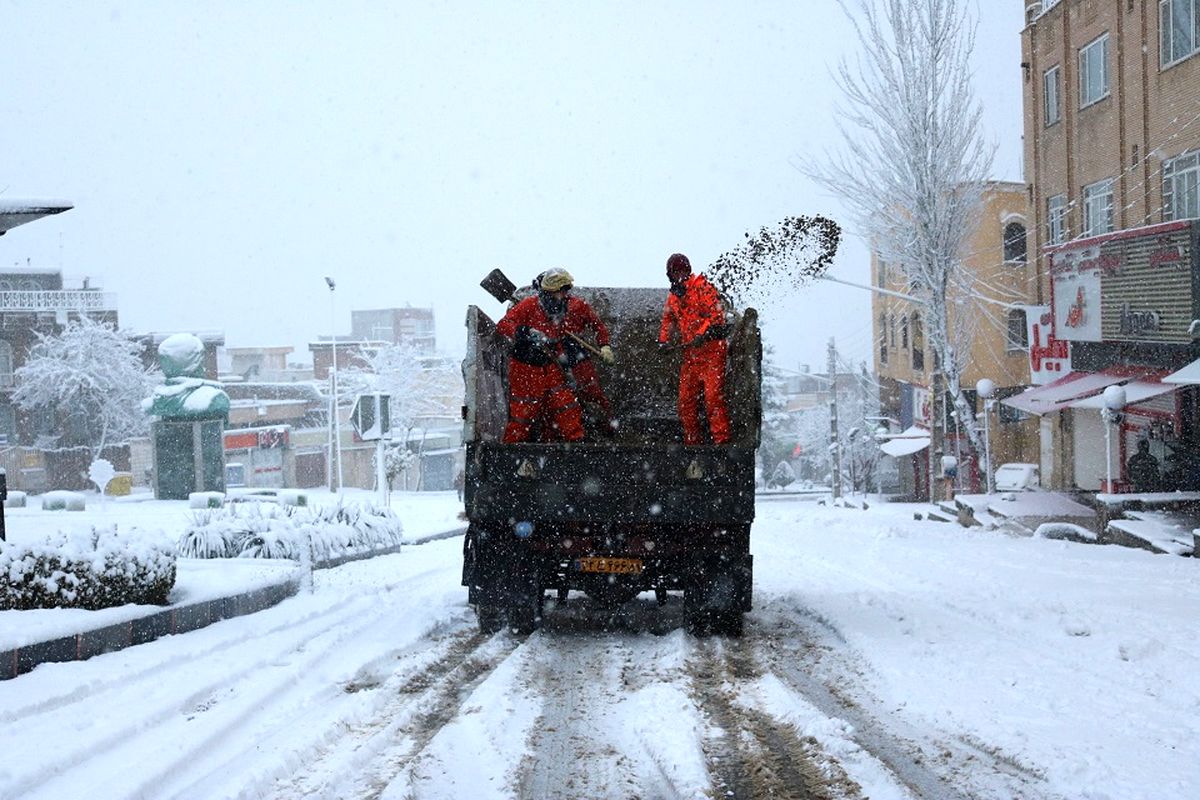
694	308
537	382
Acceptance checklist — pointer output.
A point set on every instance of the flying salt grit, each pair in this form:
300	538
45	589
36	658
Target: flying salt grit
778	258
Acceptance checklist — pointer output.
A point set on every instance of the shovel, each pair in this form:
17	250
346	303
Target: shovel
500	287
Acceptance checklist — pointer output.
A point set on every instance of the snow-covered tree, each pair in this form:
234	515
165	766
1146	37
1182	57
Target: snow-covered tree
398	460
914	161
91	377
419	387
778	437
422	390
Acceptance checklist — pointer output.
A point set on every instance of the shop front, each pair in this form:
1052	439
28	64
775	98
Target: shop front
1124	304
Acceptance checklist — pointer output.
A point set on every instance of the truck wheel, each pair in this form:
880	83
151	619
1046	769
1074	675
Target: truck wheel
490	617
523	618
696	617
729	623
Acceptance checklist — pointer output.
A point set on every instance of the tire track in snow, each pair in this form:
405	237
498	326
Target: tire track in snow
584	677
164	666
370	753
752	755
800	644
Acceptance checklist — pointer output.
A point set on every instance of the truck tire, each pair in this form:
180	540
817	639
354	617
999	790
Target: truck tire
490	617
714	599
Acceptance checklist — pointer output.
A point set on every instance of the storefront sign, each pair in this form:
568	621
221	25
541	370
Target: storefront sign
922	407
1049	357
1076	294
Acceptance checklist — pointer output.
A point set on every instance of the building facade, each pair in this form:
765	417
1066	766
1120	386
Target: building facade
1112	159
413	327
992	319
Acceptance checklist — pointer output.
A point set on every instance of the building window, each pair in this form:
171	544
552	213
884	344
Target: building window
1056	219
1014	243
1179	30
1098	207
892	329
918	344
904	332
1181	179
1051	109
1093	72
6	364
1017	335
883	273
883	343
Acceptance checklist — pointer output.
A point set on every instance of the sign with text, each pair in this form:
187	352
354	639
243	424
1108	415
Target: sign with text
1129	286
1075	279
1049	357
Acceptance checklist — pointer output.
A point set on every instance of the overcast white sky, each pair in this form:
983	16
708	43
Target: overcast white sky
223	156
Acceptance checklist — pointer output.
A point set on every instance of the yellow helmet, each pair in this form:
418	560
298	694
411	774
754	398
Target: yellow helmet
555	279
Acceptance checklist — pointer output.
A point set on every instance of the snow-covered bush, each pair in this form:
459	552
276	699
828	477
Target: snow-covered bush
60	500
293	497
91	571
783	475
15	500
206	499
281	531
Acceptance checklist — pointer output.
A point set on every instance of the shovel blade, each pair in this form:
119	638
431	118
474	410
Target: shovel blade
498	285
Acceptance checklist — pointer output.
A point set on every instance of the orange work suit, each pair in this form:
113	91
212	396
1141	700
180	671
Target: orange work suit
579	319
536	382
694	311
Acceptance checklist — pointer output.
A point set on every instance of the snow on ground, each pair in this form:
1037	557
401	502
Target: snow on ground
197	580
888	657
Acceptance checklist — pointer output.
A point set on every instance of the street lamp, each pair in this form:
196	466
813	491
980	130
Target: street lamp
881	436
985	389
335	444
1114	404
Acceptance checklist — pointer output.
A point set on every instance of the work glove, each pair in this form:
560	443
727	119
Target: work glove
531	346
606	354
720	331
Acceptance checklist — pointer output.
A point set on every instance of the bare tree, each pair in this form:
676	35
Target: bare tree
914	162
91	378
421	389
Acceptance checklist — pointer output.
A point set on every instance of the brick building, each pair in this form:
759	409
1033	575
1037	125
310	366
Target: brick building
1112	159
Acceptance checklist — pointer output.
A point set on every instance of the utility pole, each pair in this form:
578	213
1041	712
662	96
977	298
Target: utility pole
835	450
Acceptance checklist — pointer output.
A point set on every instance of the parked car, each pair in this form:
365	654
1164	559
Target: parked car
1017	477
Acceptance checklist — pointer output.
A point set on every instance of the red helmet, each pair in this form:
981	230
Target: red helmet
678	267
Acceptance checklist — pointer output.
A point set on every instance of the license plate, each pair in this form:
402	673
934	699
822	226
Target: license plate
615	566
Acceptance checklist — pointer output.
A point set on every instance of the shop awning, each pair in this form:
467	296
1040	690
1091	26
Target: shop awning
1135	392
911	440
1188	375
1072	387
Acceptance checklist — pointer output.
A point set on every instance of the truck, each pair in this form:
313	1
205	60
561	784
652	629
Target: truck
612	516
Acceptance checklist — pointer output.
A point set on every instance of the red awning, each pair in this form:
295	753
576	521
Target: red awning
1075	386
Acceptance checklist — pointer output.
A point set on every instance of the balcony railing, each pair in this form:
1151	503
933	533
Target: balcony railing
63	300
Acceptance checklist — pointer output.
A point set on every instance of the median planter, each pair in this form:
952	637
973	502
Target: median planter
60	500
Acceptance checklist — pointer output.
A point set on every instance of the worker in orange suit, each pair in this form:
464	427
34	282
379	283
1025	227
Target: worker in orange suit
694	308
537	385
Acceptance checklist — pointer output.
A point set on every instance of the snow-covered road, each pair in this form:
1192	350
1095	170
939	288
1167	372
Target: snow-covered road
885	657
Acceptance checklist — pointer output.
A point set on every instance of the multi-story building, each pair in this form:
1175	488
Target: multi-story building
405	326
992	323
34	301
1112	160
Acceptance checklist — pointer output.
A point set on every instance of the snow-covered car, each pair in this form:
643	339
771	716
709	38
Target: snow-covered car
1017	477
